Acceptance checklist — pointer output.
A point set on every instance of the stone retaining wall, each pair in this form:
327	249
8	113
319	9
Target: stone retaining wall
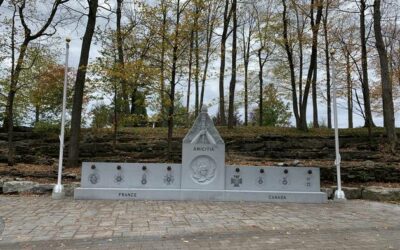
36	148
362	159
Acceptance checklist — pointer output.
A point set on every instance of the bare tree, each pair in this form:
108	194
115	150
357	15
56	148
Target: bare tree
175	56
364	65
73	149
232	84
189	76
247	35
197	56
29	36
300	27
121	60
386	82
327	64
264	51
224	37
289	53
313	60
212	11
300	112
164	9
349	89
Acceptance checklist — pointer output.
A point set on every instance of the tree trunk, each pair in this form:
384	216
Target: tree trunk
210	30
246	60
197	73
327	68
246	95
349	90
173	78
190	77
300	31
289	54
197	60
115	120
261	86
8	119
364	63
10	125
121	61
73	149
227	17
162	64
314	97
313	61
134	108
387	97
232	84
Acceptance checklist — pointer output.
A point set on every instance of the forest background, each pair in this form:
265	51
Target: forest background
157	63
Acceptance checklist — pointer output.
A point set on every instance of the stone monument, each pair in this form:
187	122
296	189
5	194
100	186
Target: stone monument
203	156
202	175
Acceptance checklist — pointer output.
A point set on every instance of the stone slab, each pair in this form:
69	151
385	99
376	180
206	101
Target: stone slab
191	194
130	175
262	178
18	186
381	194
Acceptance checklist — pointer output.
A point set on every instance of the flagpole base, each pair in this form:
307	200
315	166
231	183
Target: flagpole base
339	196
58	192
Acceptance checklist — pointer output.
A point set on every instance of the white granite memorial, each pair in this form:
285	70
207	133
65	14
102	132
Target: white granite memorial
203	156
201	176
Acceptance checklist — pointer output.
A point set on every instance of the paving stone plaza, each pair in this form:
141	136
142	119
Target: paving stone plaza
42	223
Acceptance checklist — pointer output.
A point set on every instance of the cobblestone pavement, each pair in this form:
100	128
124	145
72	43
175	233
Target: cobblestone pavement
43	223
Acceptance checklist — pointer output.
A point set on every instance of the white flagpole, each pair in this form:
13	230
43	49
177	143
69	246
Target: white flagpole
339	194
58	190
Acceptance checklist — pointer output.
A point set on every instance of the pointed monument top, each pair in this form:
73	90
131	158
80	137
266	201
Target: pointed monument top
203	130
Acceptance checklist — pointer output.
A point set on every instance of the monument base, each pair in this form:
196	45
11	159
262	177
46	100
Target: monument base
192	194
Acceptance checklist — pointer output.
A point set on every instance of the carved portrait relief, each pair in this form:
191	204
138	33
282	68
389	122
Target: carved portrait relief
203	169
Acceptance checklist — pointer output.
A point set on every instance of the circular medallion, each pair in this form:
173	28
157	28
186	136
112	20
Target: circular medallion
144	179
260	181
169	179
203	169
94	178
284	181
118	178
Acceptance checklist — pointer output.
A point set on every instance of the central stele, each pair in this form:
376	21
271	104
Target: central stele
203	156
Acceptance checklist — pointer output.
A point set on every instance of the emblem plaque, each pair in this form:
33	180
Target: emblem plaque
203	168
